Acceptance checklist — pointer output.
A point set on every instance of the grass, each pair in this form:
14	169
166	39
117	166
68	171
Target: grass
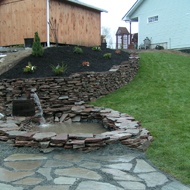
159	97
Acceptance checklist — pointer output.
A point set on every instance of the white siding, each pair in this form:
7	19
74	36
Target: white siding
173	26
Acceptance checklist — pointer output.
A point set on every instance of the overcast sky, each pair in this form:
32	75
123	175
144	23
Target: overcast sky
116	10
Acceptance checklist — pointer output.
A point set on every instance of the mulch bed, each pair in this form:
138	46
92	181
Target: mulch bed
65	55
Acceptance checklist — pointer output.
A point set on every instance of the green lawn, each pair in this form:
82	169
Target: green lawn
159	97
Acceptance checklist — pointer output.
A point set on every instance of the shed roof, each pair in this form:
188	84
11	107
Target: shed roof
122	30
87	5
127	16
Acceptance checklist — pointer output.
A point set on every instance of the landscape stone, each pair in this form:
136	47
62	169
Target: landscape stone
175	186
129	185
13	134
57	163
120	166
22	157
154	179
44	144
45	172
93	185
68	157
79	173
91	165
8	176
120	175
9	187
44	136
117	159
64	181
29	181
52	187
60	138
24	165
142	167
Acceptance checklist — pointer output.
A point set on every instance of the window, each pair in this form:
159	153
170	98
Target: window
153	19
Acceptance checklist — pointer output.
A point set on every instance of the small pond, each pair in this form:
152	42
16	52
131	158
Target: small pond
73	127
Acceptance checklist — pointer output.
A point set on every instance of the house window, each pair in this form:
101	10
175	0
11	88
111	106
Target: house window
153	19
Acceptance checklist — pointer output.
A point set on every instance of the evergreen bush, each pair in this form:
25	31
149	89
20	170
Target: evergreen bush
37	49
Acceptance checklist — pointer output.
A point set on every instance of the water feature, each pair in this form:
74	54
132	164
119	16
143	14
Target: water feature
71	127
37	121
36	100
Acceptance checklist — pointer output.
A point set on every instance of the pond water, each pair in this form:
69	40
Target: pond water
74	127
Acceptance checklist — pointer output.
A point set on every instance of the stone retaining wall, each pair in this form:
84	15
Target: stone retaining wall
64	99
59	94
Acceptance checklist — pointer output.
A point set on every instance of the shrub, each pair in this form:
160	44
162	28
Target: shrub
96	48
29	68
77	50
107	55
58	70
37	49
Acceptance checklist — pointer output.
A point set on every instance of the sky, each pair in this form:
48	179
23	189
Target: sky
113	19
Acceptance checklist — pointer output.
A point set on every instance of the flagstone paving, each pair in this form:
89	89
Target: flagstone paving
62	170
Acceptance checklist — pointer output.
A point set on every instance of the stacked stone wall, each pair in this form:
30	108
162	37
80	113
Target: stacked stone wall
61	93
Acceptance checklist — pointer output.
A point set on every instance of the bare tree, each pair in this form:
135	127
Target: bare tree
107	32
54	28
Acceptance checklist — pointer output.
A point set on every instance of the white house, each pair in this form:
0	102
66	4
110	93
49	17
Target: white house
164	22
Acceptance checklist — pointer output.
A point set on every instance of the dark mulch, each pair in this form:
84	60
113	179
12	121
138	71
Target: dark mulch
65	55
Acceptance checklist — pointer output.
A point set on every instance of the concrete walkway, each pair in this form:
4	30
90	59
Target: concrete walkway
99	170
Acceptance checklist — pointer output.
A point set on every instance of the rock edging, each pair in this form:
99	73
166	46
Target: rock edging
121	128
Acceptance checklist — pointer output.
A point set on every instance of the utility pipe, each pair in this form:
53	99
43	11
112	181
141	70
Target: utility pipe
48	32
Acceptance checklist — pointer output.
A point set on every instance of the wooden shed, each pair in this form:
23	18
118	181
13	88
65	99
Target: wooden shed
62	21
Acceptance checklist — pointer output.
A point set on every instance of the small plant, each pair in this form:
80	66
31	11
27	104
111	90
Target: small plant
118	51
96	48
29	68
107	55
59	69
77	50
37	49
86	63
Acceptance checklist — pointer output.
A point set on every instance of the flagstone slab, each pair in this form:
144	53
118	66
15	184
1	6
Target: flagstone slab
29	181
9	187
24	165
124	158
16	157
68	157
142	167
44	136
8	125
81	135
91	165
128	185
60	138
8	176
93	185
57	163
78	172
154	179
52	187
45	172
120	175
133	131
121	166
175	186
14	134
64	181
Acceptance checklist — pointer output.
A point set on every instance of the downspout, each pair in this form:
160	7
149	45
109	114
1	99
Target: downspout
48	32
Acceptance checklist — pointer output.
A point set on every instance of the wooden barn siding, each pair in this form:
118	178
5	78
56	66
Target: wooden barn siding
76	25
21	19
